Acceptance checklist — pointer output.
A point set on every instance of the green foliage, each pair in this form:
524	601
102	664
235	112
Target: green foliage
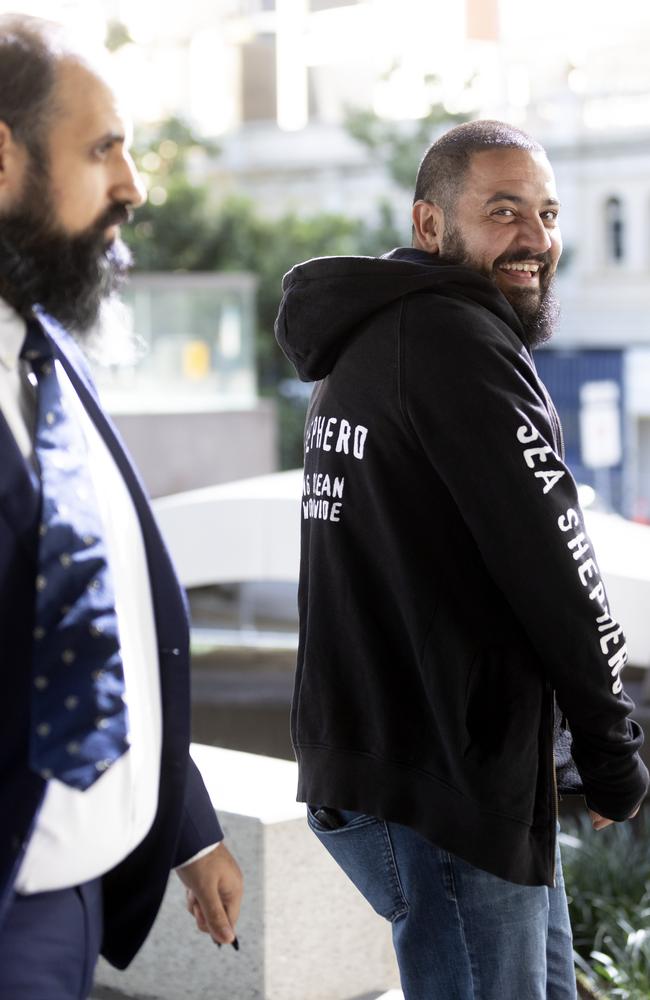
185	233
117	35
163	149
172	231
399	145
172	236
269	248
607	875
180	229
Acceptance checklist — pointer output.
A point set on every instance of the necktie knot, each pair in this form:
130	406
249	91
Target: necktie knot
37	348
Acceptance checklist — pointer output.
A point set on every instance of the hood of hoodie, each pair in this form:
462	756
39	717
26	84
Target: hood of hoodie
325	300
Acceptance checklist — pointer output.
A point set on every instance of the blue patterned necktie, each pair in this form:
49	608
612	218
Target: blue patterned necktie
79	719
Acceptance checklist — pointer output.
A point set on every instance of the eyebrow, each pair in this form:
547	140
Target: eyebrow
506	196
109	137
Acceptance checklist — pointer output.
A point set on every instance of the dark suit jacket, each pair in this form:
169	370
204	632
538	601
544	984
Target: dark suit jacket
185	821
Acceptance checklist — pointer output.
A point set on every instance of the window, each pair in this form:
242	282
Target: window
614	231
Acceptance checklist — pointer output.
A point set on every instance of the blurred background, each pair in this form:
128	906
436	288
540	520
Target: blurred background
271	131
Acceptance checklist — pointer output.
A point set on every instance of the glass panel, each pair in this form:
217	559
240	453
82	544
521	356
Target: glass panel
196	332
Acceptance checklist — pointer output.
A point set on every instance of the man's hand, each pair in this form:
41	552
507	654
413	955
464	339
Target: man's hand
600	822
597	821
214	887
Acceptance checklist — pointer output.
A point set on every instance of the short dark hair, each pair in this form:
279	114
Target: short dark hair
444	165
30	49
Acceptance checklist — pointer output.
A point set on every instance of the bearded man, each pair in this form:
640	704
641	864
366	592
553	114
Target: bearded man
98	795
458	661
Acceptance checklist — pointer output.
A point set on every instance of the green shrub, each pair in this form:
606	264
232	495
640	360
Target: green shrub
607	875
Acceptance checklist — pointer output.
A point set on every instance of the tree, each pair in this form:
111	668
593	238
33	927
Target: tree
182	228
400	145
172	231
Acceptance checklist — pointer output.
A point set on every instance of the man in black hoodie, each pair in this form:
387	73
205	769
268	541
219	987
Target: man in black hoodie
458	662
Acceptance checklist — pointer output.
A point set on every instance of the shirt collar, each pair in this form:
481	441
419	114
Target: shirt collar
12	335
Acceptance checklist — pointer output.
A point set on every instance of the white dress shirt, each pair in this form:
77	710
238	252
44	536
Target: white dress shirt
79	835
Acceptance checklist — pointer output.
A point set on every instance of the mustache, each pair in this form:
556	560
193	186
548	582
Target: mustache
543	258
118	214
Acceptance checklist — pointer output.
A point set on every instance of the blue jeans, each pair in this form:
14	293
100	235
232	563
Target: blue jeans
459	933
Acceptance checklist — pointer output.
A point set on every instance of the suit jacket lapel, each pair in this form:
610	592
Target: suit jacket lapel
77	370
20	498
170	609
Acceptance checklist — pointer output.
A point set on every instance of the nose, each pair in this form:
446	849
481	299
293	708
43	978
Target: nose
534	234
128	187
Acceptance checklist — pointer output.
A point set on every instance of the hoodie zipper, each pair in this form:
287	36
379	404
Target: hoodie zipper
554	805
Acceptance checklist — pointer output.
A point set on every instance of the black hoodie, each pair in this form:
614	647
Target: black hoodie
448	590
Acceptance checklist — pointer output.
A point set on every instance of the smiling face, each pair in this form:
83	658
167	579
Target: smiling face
507	217
504	224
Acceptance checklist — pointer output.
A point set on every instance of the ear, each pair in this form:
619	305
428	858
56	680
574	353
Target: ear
428	225
13	161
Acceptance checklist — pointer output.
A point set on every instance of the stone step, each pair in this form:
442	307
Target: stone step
302	925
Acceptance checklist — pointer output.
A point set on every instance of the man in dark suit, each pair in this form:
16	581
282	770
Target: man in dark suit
99	798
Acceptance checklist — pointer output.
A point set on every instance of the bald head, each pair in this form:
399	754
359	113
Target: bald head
445	164
31	53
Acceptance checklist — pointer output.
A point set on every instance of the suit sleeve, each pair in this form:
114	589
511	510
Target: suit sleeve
200	827
472	397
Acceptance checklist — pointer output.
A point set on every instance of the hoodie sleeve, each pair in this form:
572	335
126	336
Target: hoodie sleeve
473	399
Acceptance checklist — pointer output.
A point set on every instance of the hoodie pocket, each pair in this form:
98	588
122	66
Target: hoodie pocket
503	712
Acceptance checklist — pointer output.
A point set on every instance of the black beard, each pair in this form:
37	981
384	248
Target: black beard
537	312
539	319
68	276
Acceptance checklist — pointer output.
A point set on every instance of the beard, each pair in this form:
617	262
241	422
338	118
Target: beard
71	277
538	309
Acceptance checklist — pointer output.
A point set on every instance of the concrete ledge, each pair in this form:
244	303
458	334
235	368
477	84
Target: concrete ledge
176	451
305	932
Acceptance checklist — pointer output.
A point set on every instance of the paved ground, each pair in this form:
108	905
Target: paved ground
104	993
